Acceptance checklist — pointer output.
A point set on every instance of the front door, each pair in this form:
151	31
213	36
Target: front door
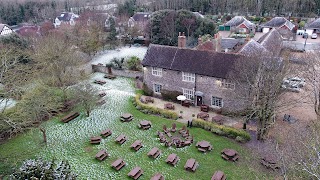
199	100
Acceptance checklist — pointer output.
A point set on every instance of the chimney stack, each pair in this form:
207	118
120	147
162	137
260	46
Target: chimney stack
217	40
199	40
182	41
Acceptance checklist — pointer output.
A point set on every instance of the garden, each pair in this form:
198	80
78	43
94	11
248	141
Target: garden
70	141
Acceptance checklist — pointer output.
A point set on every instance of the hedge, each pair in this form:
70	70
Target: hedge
239	135
153	110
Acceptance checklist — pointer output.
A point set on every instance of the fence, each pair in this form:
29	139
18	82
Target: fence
124	73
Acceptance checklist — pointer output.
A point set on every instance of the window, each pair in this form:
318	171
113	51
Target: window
224	83
188	93
156	71
216	101
157	88
188	77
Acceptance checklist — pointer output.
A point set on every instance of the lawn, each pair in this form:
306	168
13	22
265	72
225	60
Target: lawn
71	141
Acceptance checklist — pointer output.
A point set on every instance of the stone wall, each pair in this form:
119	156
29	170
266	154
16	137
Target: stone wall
172	81
123	73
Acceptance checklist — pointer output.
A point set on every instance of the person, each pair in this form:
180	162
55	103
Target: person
190	125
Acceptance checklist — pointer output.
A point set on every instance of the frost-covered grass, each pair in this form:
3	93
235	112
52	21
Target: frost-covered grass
71	141
124	52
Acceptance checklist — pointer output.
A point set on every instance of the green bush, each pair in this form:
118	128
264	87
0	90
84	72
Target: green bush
134	64
154	110
222	130
170	95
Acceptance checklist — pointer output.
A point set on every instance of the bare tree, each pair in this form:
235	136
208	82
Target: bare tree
87	96
258	80
57	61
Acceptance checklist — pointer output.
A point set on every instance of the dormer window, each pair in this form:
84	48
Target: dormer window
157	71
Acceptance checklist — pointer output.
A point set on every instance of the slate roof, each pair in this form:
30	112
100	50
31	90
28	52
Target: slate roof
278	22
229	43
271	41
208	63
237	20
314	24
2	26
141	16
252	48
65	16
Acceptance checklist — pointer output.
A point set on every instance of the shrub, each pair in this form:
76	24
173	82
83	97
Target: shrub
154	110
40	169
222	130
170	95
146	90
240	139
134	64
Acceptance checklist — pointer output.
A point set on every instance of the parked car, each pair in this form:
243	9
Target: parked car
293	84
305	35
314	36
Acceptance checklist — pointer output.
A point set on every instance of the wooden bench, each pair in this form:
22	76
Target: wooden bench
70	117
100	102
154	152
135	173
172	159
106	133
169	106
121	139
149	99
191	165
218	175
109	76
101	155
102	94
202	150
136	145
157	176
118	164
95	140
99	82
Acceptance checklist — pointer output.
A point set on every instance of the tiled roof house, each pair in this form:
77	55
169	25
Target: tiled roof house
5	30
240	24
279	23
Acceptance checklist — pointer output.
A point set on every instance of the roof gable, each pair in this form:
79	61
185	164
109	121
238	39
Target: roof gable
238	20
278	22
314	24
141	16
207	63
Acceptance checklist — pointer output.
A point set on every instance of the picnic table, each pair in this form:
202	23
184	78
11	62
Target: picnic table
217	119
218	175
109	76
203	115
145	124
100	102
136	145
99	82
270	162
172	159
95	140
126	117
149	99
101	155
121	139
204	146
169	106
135	173
229	155
70	117
102	94
118	164
186	103
106	133
191	165
154	152
204	108
157	176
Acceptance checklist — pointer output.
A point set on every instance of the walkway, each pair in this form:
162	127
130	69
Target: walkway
188	112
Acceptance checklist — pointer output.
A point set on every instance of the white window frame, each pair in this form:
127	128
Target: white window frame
188	93
188	77
157	71
226	84
215	102
154	88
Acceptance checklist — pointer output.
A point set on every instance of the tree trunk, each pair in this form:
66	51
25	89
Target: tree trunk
109	70
44	135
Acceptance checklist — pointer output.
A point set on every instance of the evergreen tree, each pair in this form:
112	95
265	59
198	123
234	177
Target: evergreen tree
113	31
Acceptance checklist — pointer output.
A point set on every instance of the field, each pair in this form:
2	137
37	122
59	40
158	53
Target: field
71	142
